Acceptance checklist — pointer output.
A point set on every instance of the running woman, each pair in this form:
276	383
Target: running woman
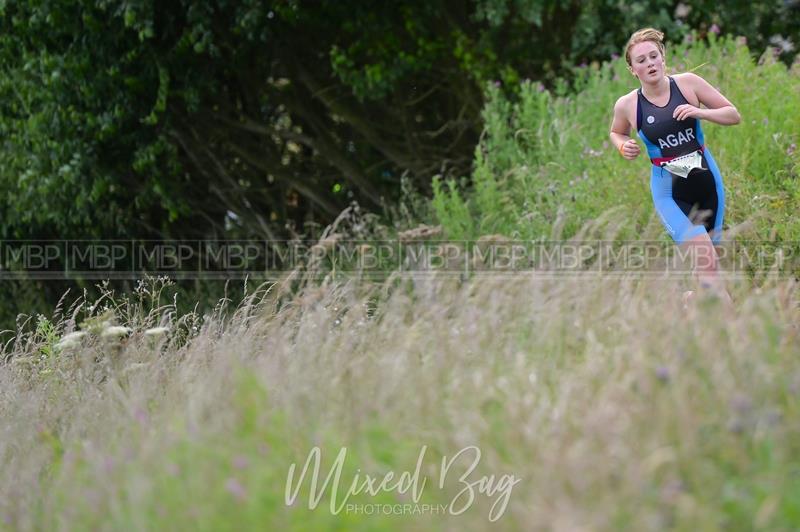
685	182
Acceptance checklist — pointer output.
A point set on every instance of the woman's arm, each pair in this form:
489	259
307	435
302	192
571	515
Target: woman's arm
620	131
726	116
718	109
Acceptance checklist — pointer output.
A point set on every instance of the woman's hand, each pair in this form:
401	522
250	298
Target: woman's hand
686	110
629	149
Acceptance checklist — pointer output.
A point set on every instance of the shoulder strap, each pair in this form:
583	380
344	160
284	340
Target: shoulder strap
674	91
638	110
677	90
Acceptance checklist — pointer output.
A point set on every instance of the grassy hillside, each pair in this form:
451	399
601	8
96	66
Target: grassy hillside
543	153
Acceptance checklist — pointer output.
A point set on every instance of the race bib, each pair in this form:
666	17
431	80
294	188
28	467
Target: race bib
684	164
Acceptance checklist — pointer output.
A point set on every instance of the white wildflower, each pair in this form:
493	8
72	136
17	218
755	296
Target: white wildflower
156	331
115	331
68	341
75	335
783	45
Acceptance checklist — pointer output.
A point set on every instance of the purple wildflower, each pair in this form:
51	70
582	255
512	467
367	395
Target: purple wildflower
173	469
714	29
741	403
108	464
235	488
140	415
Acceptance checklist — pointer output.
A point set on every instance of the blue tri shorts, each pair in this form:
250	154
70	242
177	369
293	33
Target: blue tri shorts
692	205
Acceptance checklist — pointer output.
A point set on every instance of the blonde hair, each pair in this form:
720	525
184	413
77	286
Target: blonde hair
644	35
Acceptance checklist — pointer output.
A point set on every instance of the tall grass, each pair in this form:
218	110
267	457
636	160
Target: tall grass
615	407
542	153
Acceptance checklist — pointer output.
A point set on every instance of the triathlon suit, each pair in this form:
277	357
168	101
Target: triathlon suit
676	197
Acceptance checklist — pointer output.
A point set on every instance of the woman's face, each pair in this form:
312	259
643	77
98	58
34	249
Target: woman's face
647	63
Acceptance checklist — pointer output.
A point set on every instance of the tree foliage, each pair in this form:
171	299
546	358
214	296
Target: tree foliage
192	118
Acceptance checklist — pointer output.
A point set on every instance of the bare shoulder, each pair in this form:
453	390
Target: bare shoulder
689	83
688	78
625	108
691	80
699	91
627	98
625	102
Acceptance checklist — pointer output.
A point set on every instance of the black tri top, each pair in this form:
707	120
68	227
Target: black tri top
664	136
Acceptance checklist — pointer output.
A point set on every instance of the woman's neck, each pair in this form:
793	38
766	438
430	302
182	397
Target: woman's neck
652	91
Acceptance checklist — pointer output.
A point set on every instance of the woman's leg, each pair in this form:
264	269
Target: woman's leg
705	265
691	236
